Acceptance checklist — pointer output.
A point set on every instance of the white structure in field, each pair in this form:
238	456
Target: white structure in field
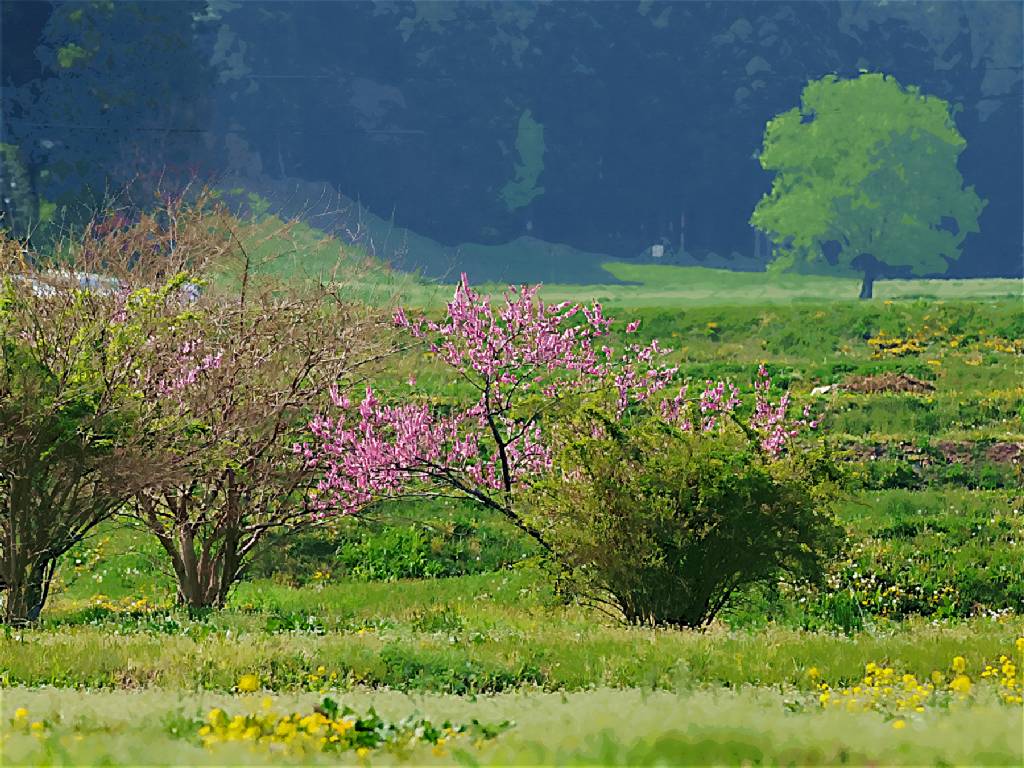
54	279
657	251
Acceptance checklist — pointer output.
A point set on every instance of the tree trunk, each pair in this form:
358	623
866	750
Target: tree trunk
870	267
867	286
205	579
25	591
209	554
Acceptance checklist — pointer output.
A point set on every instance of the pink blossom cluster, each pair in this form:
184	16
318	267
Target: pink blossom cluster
522	358
390	446
768	420
186	368
525	342
528	346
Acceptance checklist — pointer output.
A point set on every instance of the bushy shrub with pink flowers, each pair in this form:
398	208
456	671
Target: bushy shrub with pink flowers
535	367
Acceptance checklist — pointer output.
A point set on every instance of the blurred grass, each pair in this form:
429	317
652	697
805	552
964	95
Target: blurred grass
597	727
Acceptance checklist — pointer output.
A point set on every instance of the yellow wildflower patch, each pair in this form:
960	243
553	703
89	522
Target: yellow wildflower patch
329	728
883	690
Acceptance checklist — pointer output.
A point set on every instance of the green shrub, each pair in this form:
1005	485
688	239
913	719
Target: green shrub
403	540
883	474
663	526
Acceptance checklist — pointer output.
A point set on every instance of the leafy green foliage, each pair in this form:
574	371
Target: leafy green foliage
664	526
404	540
72	362
870	167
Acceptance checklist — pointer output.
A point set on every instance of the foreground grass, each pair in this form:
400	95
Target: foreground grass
472	634
602	726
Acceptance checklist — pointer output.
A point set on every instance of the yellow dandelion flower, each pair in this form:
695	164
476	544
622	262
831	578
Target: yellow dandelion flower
961	684
959	664
284	728
217	717
20	713
362	752
899	724
248	683
1020	644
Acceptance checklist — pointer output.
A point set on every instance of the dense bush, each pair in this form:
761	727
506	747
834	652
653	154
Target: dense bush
663	526
76	350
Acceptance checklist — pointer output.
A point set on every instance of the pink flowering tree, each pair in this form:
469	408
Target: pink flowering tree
249	373
522	360
527	363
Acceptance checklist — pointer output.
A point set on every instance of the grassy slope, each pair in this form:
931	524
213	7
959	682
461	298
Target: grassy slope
299	250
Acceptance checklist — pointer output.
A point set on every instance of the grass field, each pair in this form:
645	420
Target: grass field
298	250
652	285
442	610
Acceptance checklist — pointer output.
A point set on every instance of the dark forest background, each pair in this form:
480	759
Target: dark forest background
605	126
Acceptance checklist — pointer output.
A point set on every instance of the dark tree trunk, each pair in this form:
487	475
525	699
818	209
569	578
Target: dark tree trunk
205	570
208	557
869	264
26	587
866	287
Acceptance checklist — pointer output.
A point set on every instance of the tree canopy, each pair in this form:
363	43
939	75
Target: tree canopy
866	178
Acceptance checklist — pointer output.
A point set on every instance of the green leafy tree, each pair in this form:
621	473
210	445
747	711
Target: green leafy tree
520	191
866	178
97	336
72	352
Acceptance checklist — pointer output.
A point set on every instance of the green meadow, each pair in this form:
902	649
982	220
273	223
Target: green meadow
441	610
